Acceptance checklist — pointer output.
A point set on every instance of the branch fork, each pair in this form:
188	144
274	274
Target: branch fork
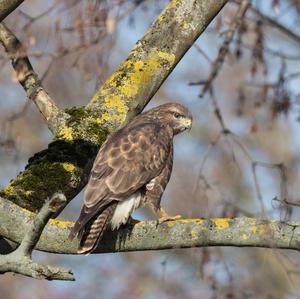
20	260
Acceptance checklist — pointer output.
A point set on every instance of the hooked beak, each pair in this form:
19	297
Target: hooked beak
188	123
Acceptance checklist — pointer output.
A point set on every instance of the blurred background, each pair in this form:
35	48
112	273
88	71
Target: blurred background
252	171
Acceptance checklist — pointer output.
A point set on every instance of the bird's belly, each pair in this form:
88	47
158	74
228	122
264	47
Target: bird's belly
124	209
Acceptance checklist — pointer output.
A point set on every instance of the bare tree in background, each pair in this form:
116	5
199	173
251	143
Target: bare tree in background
257	91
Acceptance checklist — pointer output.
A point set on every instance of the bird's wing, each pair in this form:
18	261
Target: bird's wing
129	159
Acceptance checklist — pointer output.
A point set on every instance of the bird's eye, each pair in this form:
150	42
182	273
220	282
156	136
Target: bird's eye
176	115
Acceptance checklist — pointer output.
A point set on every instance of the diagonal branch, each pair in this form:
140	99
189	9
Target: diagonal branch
25	73
243	6
8	6
79	131
154	57
19	261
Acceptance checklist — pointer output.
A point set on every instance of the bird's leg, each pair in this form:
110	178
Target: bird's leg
165	217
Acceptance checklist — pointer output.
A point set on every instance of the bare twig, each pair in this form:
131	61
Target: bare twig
19	261
26	75
276	25
225	47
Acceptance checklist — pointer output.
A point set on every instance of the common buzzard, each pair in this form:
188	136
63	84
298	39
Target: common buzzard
132	168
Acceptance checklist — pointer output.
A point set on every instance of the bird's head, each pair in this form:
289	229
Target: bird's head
178	117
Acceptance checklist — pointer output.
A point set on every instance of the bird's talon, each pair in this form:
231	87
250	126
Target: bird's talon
168	218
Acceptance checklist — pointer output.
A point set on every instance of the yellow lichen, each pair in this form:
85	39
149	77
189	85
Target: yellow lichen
221	223
170	57
194	221
171	223
61	224
185	26
194	234
129	78
261	229
26	211
253	229
66	133
162	16
140	223
116	102
8	190
68	167
244	236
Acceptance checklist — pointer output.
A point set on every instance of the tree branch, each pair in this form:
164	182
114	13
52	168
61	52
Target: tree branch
19	261
8	6
154	57
26	75
186	233
80	131
286	31
236	22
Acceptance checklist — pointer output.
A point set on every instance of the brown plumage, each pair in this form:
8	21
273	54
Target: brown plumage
132	168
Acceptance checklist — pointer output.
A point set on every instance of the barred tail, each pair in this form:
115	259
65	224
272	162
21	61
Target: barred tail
91	233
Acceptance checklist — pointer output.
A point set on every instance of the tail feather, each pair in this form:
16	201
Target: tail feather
92	232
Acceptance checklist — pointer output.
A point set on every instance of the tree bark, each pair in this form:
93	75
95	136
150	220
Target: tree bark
64	166
79	131
8	6
186	233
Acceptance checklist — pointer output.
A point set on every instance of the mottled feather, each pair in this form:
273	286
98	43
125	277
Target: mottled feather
128	160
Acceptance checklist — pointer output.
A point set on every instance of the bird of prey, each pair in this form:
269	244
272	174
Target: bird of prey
132	168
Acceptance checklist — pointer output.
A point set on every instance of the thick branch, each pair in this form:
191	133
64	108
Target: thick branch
239	232
25	73
81	130
154	57
8	6
19	261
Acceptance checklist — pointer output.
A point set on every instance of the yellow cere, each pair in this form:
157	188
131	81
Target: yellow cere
221	223
69	167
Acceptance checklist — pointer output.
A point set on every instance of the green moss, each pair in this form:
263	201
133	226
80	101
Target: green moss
83	125
76	113
33	186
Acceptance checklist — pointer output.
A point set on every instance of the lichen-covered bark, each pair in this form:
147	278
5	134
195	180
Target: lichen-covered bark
153	58
8	6
79	131
186	233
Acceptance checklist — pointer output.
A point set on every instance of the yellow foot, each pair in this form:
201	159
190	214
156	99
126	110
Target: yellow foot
168	218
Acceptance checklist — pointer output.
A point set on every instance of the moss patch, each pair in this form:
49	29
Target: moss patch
31	188
82	124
